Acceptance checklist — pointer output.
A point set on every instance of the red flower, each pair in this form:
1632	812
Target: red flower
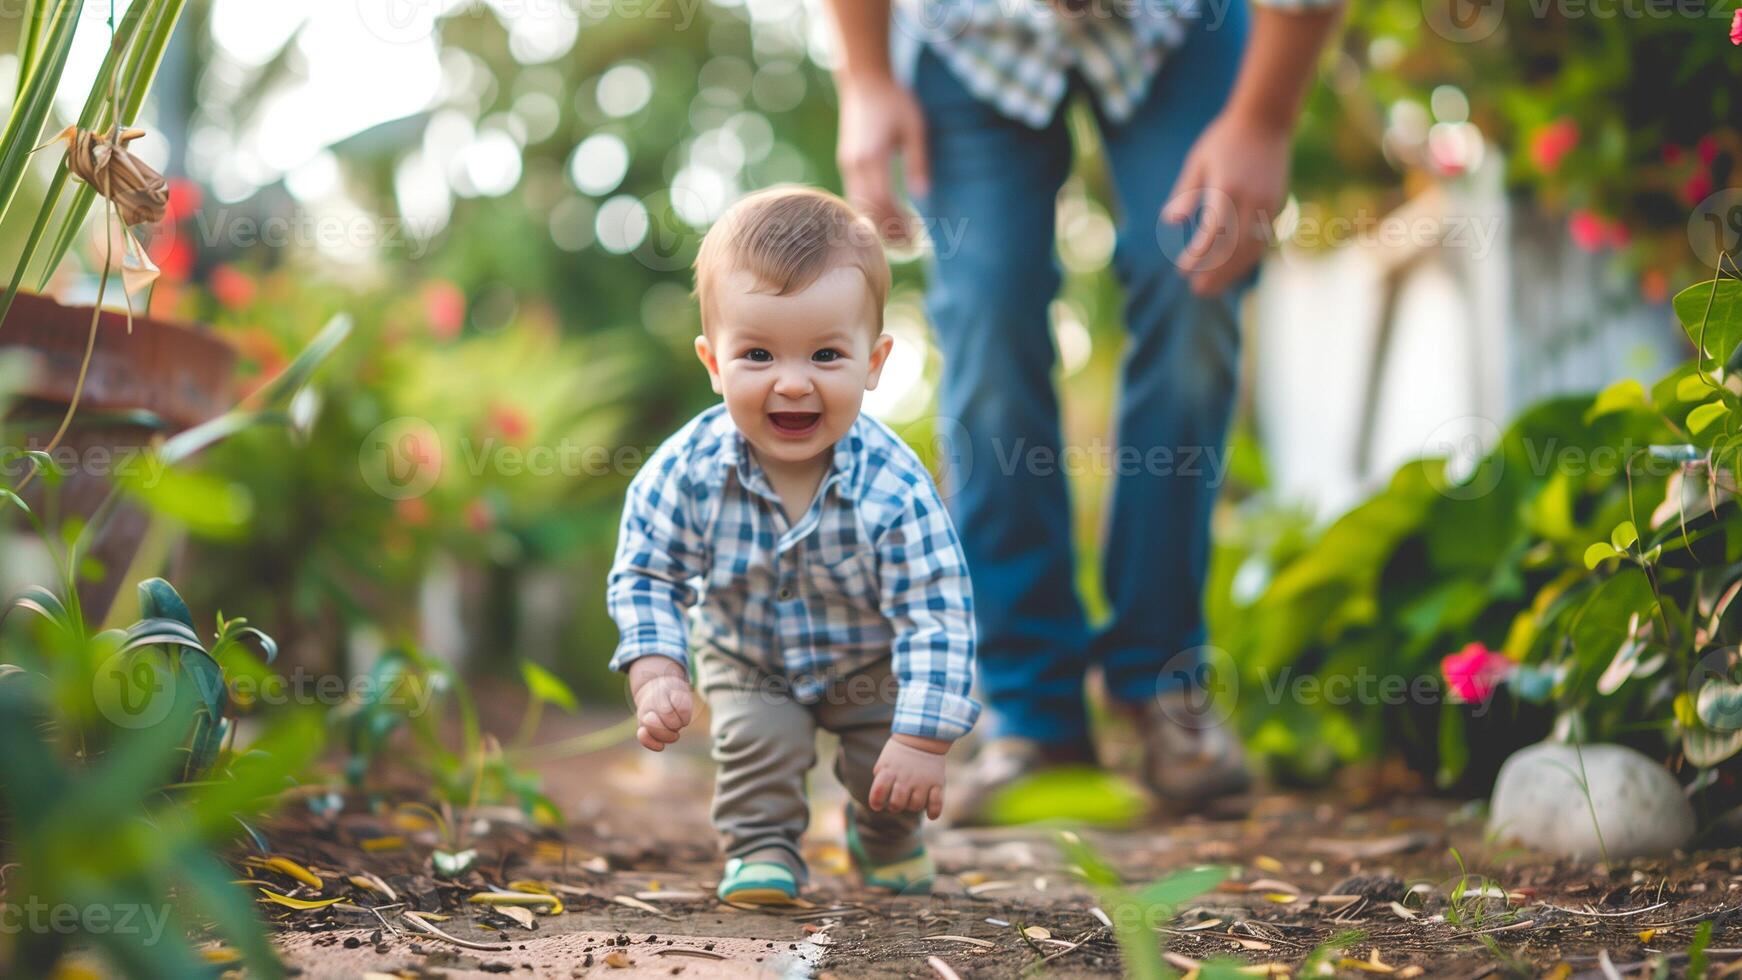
1706	149
1697	187
1654	285
184	199
173	253
1617	235
510	421
478	515
445	307
1589	230
1672	154
1553	142
412	511
1736	27
1473	672
233	288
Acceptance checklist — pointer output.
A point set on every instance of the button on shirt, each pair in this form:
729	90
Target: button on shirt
1017	55
873	569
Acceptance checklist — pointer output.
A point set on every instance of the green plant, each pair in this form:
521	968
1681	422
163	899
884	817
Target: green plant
1138	915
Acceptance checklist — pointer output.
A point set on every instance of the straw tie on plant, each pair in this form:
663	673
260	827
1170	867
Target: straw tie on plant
139	193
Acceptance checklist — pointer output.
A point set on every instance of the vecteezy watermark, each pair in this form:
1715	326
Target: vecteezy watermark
411	21
32	915
1715	228
1201	687
300	228
1469	21
401	458
136	464
136	689
1475	462
1101	457
1475	234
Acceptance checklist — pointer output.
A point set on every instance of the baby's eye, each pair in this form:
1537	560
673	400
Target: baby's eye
826	355
758	354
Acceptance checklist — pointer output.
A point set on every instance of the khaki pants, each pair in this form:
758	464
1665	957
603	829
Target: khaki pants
765	744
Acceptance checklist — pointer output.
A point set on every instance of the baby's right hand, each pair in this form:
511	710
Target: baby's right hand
663	702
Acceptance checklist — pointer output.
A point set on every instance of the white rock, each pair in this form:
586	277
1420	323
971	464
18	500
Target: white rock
1541	801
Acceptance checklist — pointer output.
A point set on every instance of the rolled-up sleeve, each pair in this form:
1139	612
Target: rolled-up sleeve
659	554
928	601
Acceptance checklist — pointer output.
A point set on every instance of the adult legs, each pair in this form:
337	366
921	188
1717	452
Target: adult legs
1178	382
992	277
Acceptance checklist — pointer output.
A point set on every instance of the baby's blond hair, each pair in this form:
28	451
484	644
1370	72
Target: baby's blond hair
787	237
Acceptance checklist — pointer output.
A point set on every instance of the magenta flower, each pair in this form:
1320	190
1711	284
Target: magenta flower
1736	27
1474	672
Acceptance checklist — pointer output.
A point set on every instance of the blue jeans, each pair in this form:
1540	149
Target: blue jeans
994	183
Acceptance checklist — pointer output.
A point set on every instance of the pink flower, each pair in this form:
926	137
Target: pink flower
1588	229
1552	142
444	305
1696	188
1736	27
1473	672
1706	149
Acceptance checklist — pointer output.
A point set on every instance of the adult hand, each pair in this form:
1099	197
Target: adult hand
1234	178
909	776
664	705
880	118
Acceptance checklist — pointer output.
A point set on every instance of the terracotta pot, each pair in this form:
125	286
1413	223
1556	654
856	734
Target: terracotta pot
160	379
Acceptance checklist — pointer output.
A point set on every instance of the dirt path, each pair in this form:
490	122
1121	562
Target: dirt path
1315	878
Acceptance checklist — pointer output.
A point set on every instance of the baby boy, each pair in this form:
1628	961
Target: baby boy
800	552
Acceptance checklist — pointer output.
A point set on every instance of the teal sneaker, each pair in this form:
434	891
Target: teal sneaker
758	883
907	875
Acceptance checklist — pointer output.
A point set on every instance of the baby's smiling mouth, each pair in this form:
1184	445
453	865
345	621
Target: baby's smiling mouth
794	422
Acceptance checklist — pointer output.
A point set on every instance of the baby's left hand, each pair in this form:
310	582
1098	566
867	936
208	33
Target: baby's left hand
910	776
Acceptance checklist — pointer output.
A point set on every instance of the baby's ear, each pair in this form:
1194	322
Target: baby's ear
705	353
880	349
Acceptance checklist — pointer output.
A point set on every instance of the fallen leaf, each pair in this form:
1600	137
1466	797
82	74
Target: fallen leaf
375	845
371	882
220	954
1037	932
452	864
419	921
703	954
516	898
1281	898
1251	944
518	914
942	969
671	896
636	903
989	886
1180	961
1272	885
1266	863
617	959
1402	911
970	940
1646	934
300	904
285	866
1198	926
1337	901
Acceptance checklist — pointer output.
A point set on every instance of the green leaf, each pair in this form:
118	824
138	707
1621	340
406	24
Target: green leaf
1711	313
453	864
44	603
1618	397
1695	387
1454	747
206	504
1706	748
1701	418
1599	553
1073	794
1182	886
547	687
159	600
1624	536
1720	706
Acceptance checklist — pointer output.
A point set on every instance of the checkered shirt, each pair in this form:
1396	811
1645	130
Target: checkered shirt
873	569
1016	55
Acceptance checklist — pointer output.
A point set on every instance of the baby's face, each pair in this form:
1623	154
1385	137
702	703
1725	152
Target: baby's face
794	369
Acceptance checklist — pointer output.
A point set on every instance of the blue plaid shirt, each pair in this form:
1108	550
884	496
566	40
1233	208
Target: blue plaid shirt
873	569
1016	55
